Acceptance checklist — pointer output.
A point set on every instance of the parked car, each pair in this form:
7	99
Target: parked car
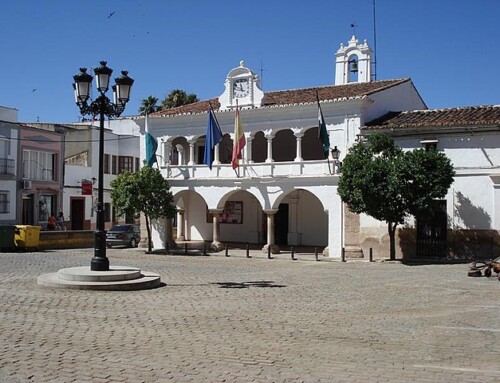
125	235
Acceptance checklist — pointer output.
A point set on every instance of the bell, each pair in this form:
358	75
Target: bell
353	66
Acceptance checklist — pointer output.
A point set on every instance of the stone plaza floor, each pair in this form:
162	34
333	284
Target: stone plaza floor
233	319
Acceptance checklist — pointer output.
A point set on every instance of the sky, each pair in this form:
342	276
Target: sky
449	48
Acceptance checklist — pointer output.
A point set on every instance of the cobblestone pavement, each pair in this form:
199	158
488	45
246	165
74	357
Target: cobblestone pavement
232	319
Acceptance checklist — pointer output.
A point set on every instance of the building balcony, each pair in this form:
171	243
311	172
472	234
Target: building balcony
287	169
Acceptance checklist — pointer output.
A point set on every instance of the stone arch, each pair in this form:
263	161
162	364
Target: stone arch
312	148
180	150
191	221
284	146
259	147
301	219
242	218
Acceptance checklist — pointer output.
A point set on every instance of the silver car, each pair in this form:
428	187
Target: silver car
124	235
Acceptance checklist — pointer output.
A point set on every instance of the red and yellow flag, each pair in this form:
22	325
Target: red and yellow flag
239	141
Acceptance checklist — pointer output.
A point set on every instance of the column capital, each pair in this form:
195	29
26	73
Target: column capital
269	134
215	211
191	139
298	132
270	211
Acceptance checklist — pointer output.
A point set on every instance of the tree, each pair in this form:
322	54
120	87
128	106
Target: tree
178	97
145	191
381	180
148	105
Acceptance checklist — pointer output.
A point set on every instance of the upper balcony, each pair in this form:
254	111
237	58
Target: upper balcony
283	153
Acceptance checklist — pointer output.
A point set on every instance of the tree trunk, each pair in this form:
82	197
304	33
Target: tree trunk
391	227
148	228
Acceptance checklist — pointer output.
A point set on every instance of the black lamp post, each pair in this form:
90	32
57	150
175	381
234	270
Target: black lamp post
335	156
101	106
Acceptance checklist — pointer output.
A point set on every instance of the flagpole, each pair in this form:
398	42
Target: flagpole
321	123
237	111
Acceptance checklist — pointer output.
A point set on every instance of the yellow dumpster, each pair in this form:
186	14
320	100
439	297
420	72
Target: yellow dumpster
27	237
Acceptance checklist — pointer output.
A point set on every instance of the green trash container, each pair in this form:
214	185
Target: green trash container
7	237
27	237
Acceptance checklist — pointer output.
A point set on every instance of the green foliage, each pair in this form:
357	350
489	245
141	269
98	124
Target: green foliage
380	179
148	105
145	191
178	97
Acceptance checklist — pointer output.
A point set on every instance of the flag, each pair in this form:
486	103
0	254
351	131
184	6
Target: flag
151	145
322	132
239	140
212	138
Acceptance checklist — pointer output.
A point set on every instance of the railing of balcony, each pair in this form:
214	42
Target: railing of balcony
252	170
7	166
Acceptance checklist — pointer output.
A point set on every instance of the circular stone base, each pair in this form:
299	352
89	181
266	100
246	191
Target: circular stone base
116	278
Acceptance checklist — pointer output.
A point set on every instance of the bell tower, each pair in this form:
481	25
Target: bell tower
353	63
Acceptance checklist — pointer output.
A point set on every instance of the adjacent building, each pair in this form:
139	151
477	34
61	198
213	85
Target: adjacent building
121	154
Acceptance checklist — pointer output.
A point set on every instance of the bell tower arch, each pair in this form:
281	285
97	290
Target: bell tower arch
353	62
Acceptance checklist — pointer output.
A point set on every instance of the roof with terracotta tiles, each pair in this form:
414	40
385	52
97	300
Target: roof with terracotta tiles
295	96
453	117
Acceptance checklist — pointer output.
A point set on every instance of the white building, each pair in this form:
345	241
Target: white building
121	153
470	221
284	191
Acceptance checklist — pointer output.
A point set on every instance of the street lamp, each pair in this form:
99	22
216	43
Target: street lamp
101	106
335	156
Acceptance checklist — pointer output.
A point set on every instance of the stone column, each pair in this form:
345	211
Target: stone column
248	148
269	135
167	149
180	157
180	225
216	244
192	142
270	232
298	134
294	237
216	155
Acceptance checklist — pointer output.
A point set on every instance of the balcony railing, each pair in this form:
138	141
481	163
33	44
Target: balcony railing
7	166
253	170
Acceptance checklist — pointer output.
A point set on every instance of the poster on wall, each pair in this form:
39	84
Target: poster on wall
45	207
233	213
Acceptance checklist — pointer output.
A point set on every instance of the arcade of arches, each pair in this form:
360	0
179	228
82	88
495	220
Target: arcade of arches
297	218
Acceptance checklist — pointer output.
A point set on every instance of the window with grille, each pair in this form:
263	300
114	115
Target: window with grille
4	201
114	165
106	164
39	165
125	164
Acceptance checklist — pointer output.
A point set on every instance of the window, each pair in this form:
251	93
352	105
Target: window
429	144
125	164
106	164
39	165
137	164
4	201
114	167
4	147
107	212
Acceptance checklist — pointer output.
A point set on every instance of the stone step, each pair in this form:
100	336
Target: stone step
117	278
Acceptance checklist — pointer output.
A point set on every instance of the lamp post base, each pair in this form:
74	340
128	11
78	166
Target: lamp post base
99	264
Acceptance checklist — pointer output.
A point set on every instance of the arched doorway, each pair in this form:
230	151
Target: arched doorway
300	220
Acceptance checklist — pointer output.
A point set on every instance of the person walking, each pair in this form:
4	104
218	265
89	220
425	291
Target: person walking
60	221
